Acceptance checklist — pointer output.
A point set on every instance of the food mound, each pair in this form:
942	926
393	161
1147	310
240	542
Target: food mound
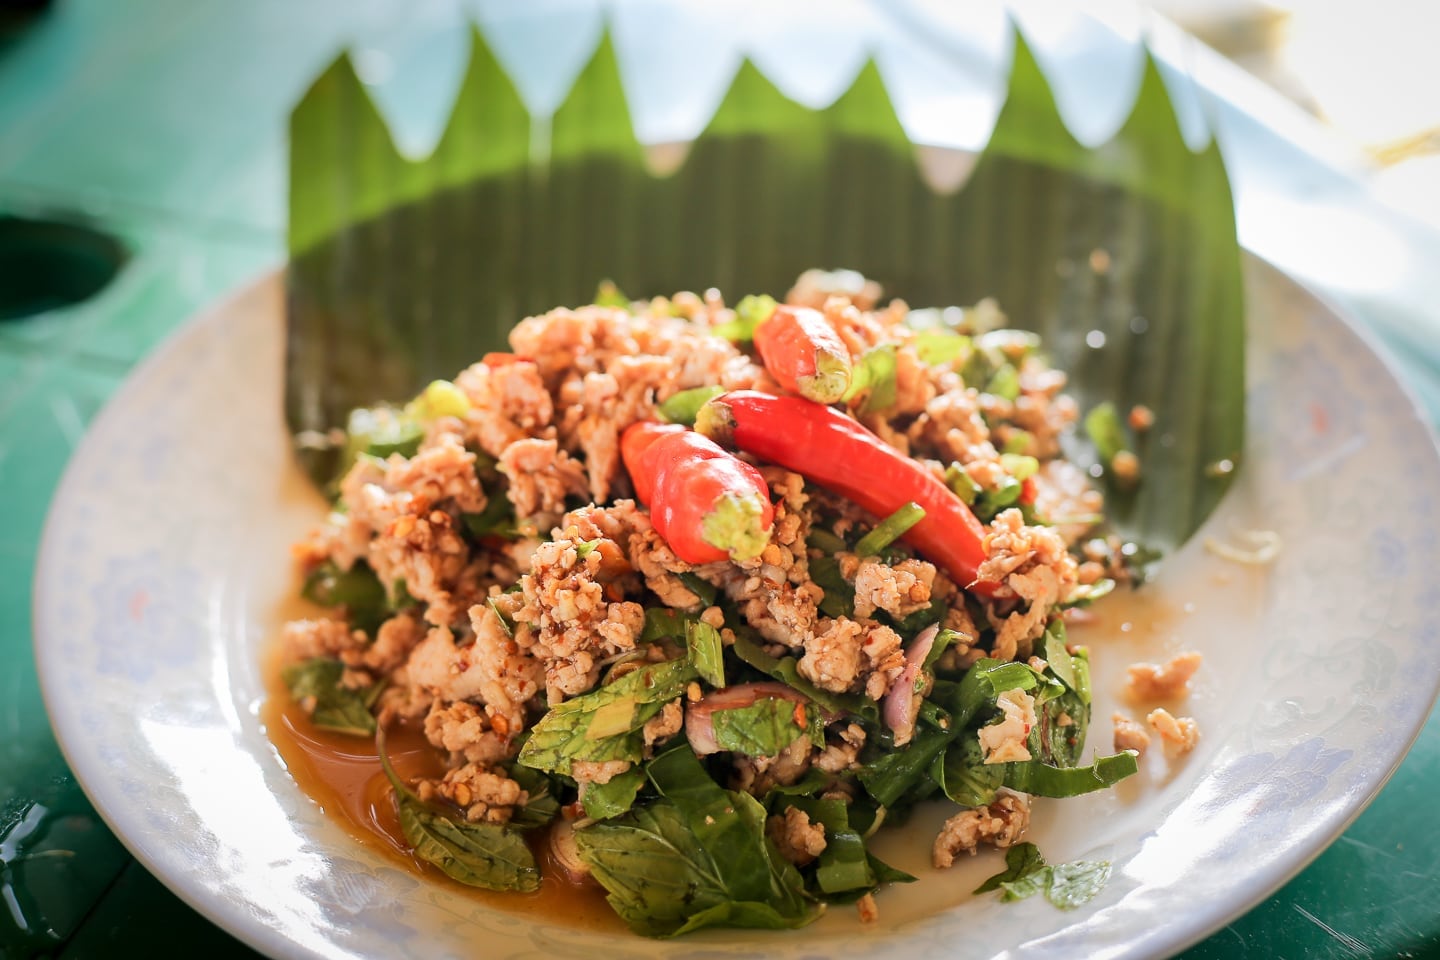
700	598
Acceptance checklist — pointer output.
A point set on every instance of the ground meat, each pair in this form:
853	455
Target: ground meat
1001	824
430	557
664	724
1033	565
756	775
508	676
1179	734
508	402
797	839
394	640
463	730
597	771
483	794
844	753
566	606
867	908
1171	681
304	639
1129	735
441	470
832	656
541	477
899	590
1004	742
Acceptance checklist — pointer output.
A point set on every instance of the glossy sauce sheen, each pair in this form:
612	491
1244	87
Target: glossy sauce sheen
342	774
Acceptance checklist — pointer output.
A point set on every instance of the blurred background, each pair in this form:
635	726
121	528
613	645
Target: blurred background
1365	68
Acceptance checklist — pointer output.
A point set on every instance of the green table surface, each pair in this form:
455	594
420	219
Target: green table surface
162	121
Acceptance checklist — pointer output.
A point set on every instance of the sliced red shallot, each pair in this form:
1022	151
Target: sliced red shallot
902	701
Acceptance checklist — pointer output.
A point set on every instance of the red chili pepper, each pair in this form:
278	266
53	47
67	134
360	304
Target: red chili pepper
836	452
804	353
707	503
1029	490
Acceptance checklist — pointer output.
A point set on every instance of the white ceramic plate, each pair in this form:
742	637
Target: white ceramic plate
164	565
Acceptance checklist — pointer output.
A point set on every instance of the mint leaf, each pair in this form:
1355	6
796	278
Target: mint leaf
697	857
605	800
476	854
942	348
541	805
605	724
839	599
706	652
765	727
1066	885
1021	860
336	707
964	775
1103	427
357	590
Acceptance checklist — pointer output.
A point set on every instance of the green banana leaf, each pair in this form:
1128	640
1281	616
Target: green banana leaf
1122	257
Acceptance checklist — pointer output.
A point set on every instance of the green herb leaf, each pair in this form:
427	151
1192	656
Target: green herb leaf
336	707
706	652
683	406
1075	884
1067	885
702	588
358	590
785	670
662	623
1021	860
541	805
964	775
696	858
766	727
605	800
839	599
616	712
496	520
844	864
477	854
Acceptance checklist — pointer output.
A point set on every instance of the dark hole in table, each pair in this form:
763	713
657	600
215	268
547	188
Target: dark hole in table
46	264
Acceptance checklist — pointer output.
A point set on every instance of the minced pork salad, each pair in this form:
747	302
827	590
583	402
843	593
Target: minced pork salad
702	597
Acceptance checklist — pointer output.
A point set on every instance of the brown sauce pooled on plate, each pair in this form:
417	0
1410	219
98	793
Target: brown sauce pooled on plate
342	774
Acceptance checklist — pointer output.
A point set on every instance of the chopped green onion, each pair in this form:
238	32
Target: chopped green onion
1018	466
941	348
890	529
962	484
825	541
1004	382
